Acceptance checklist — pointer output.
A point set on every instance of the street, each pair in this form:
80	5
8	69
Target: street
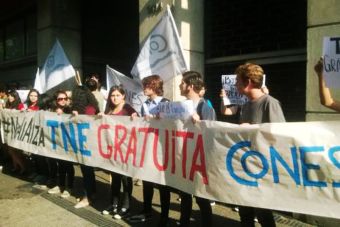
21	204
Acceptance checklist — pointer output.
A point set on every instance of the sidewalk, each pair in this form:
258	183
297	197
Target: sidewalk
23	205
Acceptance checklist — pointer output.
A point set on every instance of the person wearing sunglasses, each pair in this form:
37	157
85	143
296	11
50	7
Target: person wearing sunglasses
65	168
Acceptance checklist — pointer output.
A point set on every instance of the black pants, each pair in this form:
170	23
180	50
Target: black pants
52	171
117	181
41	165
186	208
89	180
247	215
164	192
65	168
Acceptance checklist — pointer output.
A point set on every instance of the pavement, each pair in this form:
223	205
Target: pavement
22	204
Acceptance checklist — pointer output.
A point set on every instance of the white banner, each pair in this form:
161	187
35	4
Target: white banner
282	166
134	94
162	52
331	61
57	69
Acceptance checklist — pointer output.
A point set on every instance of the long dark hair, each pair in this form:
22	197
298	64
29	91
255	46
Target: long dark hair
109	105
45	102
81	98
28	101
16	102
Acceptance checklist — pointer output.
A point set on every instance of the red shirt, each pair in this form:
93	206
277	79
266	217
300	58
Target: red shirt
22	106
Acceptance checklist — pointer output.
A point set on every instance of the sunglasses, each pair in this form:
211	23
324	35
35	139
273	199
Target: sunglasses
60	99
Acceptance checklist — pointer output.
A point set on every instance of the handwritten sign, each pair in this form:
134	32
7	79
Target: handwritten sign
176	110
331	61
233	97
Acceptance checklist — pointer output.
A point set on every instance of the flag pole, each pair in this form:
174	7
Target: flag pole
78	79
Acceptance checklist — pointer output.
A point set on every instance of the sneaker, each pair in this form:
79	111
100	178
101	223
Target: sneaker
112	209
55	190
40	186
138	182
212	203
179	199
235	209
121	213
82	203
143	217
40	179
65	194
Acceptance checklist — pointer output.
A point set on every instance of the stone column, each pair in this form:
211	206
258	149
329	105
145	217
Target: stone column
323	20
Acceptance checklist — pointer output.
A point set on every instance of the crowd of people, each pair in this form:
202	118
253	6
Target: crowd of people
58	175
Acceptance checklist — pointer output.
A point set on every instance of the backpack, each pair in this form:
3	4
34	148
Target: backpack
199	109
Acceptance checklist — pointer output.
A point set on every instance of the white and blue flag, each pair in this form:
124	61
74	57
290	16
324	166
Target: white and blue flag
57	69
162	52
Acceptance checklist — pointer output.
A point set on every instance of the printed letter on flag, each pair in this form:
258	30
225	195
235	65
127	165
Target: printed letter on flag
56	69
331	61
134	94
162	52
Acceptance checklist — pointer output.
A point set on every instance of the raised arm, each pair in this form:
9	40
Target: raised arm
326	98
229	109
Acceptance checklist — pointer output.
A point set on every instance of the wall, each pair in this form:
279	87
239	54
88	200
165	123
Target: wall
323	20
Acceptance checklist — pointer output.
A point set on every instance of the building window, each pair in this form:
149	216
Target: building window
15	37
18	38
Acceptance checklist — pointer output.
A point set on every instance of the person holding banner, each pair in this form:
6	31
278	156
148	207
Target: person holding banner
3	96
325	94
153	89
116	106
31	103
18	160
190	87
84	102
260	108
65	168
96	90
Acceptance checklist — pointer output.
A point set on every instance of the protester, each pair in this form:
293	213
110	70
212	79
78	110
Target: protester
18	160
3	96
45	168
325	94
65	168
116	106
261	108
84	102
3	100
153	89
190	87
96	90
31	103
202	93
